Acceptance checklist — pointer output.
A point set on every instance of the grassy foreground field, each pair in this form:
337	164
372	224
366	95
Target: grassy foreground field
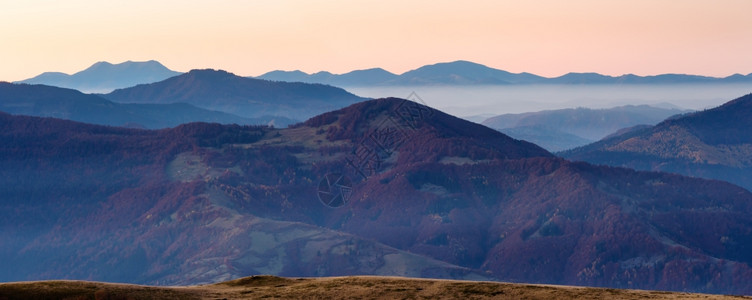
359	287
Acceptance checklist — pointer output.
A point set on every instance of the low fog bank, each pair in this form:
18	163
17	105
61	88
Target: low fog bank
494	100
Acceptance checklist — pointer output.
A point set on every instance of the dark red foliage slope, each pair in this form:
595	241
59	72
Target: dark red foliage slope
425	128
161	206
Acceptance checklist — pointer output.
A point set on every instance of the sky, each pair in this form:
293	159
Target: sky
251	37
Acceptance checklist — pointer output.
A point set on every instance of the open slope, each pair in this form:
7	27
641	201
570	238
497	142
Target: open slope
429	195
714	143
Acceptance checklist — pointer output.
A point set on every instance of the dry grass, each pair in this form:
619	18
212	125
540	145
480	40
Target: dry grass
366	287
90	290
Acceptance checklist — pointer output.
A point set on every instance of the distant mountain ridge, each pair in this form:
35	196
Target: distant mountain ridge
103	77
469	73
714	143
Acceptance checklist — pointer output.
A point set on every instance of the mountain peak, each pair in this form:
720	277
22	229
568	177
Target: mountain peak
422	124
209	71
209	77
463	62
104	63
454	65
464	72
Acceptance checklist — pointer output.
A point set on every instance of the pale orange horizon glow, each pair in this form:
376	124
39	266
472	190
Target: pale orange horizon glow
544	37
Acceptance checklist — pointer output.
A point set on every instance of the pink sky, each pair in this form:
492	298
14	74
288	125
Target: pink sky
545	37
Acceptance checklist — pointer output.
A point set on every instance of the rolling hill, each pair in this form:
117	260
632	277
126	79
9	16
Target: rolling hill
385	187
103	77
246	97
714	143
